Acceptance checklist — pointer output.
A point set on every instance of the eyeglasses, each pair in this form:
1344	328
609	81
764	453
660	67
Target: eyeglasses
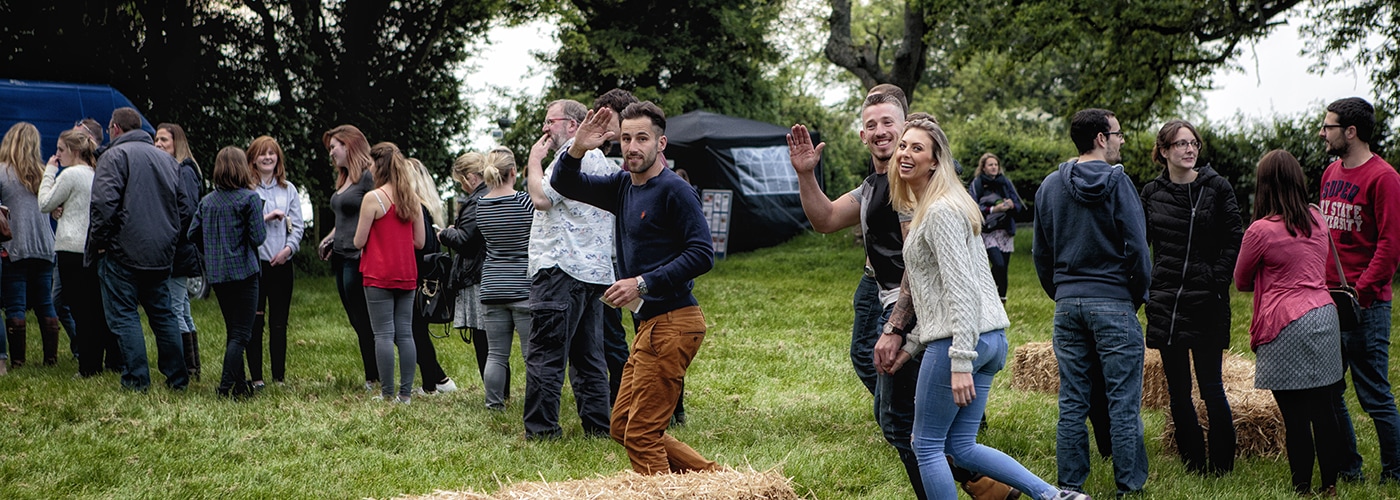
550	121
1326	126
1119	133
1183	144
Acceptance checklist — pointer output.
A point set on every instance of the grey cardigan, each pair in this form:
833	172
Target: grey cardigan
33	237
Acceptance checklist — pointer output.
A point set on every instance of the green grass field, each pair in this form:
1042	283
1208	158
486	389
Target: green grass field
772	387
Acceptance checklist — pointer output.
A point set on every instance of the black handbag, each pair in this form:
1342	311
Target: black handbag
435	299
1348	308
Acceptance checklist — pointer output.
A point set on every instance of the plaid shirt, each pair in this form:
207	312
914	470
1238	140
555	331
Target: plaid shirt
228	228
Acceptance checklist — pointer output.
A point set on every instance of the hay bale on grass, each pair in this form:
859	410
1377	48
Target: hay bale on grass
718	485
1258	424
1033	368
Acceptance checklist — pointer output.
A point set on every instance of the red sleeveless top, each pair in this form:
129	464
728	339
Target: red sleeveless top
388	260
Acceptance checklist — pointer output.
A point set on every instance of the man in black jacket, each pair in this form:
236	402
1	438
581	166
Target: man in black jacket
137	212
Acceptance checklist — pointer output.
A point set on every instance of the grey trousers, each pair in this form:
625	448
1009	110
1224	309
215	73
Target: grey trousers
391	319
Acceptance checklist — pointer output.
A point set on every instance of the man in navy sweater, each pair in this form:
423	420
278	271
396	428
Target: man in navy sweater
663	244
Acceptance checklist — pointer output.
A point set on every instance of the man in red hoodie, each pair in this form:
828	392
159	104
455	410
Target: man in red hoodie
1361	203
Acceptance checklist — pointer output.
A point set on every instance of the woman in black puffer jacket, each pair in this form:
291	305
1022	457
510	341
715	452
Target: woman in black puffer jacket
1194	227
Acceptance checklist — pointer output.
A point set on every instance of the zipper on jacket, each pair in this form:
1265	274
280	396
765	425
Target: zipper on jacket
1185	264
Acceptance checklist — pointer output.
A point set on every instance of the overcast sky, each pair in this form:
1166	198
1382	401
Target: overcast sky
1274	78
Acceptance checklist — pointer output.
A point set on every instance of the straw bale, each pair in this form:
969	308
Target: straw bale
717	485
1033	368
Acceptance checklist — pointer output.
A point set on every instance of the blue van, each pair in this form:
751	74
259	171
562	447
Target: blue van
54	107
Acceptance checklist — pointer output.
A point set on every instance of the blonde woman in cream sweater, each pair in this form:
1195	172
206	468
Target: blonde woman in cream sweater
961	322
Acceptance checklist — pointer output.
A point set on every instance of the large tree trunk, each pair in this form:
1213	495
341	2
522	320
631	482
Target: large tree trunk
910	57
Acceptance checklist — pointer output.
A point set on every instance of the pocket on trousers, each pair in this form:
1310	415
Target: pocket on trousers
549	321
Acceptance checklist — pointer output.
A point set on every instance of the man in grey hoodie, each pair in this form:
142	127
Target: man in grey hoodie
1091	256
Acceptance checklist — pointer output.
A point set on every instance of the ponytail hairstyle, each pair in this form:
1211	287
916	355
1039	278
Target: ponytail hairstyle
500	166
391	168
81	144
943	184
469	163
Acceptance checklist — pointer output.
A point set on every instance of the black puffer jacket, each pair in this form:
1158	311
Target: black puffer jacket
465	239
1193	259
188	262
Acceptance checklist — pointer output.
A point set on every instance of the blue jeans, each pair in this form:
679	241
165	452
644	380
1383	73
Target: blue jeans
28	284
865	330
180	302
123	289
1107	329
894	410
942	428
1366	352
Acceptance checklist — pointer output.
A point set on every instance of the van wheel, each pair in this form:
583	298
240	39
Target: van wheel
198	287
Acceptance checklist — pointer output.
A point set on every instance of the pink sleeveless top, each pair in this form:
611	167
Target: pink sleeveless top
388	260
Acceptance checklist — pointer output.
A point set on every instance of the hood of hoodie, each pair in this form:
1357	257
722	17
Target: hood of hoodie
1090	181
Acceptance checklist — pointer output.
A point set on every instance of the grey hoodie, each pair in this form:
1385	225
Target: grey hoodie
1090	235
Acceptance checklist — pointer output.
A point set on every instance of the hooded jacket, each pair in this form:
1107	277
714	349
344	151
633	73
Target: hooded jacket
1090	238
1195	231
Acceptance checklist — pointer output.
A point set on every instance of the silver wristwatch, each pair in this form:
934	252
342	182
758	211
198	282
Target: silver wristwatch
641	286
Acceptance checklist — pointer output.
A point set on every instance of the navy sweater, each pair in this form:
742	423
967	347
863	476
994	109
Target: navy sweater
662	234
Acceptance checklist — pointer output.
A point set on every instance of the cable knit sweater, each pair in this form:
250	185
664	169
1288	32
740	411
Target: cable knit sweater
72	190
951	284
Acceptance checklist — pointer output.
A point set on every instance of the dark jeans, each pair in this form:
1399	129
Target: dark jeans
65	313
865	330
94	341
274	304
894	411
1366	353
1190	443
238	301
28	284
351	285
615	349
427	354
123	290
1001	263
1106	329
1310	423
566	332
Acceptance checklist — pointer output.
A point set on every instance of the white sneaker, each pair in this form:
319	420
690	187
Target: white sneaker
446	387
1071	495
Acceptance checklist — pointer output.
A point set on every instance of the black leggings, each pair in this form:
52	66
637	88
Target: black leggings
274	303
1310	424
351	285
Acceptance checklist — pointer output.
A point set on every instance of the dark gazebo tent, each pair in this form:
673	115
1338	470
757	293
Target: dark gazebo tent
750	159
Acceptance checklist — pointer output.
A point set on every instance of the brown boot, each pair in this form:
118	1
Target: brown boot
986	488
49	330
191	353
14	329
